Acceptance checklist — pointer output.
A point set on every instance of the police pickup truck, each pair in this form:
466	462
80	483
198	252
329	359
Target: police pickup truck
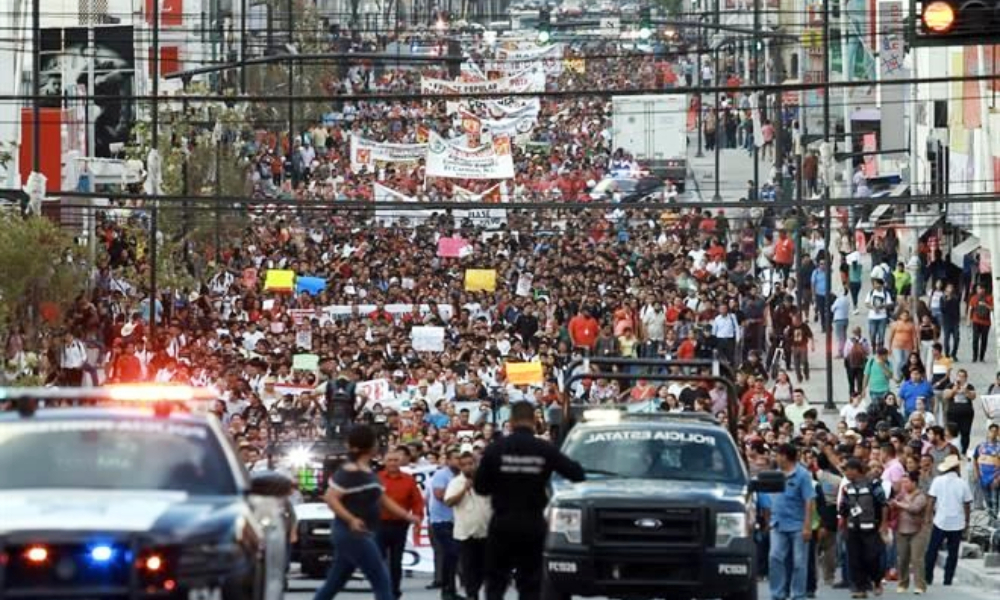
667	511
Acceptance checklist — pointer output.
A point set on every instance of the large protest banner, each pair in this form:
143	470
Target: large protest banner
529	80
550	58
366	153
487	218
489	161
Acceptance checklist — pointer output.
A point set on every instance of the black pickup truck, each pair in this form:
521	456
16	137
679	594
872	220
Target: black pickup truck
667	511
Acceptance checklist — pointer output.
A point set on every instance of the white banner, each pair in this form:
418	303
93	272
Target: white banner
488	218
489	161
510	107
529	80
419	555
333	311
366	153
391	215
513	61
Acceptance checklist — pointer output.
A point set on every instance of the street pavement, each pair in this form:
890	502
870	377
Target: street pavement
414	589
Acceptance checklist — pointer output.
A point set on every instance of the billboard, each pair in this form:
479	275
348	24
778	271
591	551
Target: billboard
67	56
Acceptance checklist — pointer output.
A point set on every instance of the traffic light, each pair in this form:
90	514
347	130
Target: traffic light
645	23
544	25
955	22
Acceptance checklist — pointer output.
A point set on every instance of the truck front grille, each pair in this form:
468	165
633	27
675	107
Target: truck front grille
653	526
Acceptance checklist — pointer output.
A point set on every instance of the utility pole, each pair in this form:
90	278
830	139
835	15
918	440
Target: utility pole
243	46
827	217
756	80
36	85
153	291
291	79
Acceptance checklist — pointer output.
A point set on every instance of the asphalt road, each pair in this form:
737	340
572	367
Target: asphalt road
414	589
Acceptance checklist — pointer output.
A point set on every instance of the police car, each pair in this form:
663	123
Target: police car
104	500
667	510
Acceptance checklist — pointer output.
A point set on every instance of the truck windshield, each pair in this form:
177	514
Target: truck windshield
660	453
114	455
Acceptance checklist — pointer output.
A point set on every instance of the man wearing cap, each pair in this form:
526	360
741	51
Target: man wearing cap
986	463
950	503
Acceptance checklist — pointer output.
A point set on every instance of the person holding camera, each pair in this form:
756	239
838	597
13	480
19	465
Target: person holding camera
356	496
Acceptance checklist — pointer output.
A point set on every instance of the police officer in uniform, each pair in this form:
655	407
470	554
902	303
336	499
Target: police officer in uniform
864	514
515	473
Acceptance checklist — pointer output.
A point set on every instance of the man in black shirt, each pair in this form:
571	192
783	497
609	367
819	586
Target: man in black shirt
515	473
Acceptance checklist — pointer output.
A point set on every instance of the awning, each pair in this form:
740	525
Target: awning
866	114
959	252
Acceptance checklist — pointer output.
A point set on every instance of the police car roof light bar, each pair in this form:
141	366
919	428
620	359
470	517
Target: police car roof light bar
164	398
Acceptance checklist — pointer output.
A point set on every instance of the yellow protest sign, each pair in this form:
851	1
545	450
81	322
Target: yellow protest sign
278	280
479	280
525	373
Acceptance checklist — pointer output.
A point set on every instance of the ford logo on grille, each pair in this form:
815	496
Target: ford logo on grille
648	523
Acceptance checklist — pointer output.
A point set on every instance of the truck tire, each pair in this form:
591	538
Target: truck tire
550	593
748	594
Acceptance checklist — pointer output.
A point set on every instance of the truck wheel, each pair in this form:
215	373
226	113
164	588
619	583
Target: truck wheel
549	592
748	594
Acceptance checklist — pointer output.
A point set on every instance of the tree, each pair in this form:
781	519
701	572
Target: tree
42	270
673	8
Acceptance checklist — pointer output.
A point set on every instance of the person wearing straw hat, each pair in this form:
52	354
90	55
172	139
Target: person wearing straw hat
950	504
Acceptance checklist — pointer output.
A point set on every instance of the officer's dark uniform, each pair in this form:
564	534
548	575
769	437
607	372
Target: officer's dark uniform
515	474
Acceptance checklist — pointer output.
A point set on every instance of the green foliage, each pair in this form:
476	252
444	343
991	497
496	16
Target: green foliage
40	265
673	8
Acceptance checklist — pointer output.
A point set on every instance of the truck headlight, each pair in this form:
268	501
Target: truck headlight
729	526
568	522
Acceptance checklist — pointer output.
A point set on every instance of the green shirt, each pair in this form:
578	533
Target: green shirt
878	376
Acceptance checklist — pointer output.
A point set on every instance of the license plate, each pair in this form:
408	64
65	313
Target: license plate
205	593
321	531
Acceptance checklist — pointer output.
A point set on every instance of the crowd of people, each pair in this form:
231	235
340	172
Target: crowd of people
674	282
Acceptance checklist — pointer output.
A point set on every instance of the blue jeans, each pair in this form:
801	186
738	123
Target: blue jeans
785	584
953	539
355	551
876	332
451	548
840	330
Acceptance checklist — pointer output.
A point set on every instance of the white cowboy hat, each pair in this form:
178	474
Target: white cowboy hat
949	463
127	329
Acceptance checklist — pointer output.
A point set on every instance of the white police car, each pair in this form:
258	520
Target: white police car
102	501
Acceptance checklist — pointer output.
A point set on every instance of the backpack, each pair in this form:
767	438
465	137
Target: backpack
857	357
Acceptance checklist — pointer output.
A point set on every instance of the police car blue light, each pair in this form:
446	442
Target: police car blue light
102	553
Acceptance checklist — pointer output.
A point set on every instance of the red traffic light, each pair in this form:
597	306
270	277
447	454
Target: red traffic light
938	17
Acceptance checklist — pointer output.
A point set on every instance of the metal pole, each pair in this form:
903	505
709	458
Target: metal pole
36	84
153	291
718	123
218	202
243	46
701	41
291	80
755	71
827	217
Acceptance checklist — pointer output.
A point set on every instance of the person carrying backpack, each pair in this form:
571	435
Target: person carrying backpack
857	349
981	315
864	518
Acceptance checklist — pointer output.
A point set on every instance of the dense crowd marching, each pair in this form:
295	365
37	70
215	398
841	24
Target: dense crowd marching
654	281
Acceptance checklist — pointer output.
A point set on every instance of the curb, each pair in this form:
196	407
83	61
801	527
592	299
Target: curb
971	572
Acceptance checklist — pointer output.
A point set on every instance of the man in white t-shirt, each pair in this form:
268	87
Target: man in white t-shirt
951	502
878	302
